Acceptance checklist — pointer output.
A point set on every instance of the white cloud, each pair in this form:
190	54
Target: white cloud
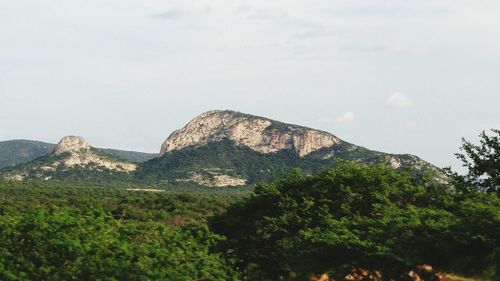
345	118
400	100
178	12
411	125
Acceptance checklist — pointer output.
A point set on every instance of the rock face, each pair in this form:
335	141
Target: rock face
81	154
260	134
214	180
71	144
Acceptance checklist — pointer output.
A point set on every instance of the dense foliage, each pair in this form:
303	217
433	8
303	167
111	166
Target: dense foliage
357	215
170	207
306	222
55	232
92	245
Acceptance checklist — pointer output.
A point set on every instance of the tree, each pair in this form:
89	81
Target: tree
356	215
482	162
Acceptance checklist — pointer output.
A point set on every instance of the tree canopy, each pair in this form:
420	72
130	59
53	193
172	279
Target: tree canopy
356	215
482	161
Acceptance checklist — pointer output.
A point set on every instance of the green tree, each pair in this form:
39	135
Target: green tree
482	162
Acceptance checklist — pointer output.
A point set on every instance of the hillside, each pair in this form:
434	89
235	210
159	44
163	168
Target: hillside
215	149
71	159
228	148
13	152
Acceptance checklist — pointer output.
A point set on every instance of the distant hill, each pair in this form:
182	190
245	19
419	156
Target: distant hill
133	156
215	149
228	148
72	159
14	152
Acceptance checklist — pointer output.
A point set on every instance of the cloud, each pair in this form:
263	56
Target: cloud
345	118
172	14
309	32
264	14
300	28
411	125
400	100
194	9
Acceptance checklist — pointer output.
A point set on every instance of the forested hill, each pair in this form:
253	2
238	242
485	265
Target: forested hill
13	152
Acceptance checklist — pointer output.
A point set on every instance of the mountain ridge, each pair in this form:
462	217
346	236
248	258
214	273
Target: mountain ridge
220	148
18	151
239	146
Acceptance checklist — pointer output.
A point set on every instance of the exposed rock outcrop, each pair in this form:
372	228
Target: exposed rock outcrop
72	144
212	179
81	154
70	152
260	134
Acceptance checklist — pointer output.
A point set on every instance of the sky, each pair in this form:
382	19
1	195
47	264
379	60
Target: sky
397	76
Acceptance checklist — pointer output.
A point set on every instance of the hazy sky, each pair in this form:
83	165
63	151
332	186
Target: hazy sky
397	76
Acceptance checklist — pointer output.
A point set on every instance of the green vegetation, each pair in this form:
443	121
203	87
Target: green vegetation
132	156
20	151
15	152
353	215
66	233
357	215
92	245
482	162
330	220
229	158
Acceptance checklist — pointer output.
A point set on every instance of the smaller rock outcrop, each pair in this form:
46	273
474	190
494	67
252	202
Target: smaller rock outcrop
71	152
81	154
71	144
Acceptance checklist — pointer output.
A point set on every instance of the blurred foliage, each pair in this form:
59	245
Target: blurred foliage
59	232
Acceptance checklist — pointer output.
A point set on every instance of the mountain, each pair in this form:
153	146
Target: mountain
228	148
132	156
14	152
216	149
72	158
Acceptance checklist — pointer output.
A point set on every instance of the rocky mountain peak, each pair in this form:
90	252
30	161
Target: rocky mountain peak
71	144
80	154
258	133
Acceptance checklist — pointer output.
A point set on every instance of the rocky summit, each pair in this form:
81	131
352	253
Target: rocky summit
72	144
260	134
71	155
80	153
